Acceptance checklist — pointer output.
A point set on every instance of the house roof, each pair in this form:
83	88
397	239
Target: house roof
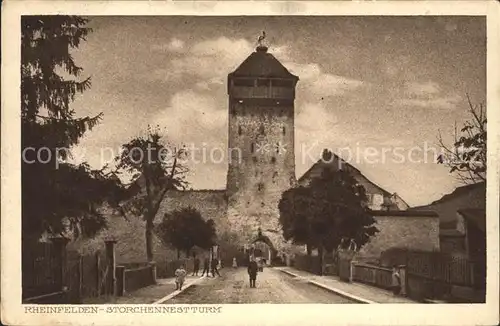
475	216
463	190
450	233
349	167
262	64
404	213
396	195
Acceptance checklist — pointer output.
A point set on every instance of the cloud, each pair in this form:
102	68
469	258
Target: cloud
314	117
211	60
319	83
447	102
198	121
427	95
207	61
175	45
423	89
193	117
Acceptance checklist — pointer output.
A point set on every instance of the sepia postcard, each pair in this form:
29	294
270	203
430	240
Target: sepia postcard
250	162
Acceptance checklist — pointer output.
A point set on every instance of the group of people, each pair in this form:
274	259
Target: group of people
213	265
181	273
253	269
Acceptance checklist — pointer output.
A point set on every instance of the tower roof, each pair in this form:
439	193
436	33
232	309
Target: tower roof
262	64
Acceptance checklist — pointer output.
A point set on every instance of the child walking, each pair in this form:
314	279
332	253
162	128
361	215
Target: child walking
396	280
180	275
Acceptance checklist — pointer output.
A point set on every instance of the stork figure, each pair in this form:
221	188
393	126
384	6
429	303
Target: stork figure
261	38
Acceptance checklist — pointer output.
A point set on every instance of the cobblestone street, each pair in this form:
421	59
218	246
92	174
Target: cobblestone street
273	286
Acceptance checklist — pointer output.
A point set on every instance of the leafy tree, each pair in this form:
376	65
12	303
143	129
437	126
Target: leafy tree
156	167
329	213
467	157
294	216
57	197
208	235
339	210
185	228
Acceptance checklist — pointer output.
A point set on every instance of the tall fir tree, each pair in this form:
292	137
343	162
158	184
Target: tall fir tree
57	196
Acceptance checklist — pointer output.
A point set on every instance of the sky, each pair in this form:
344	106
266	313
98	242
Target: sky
380	85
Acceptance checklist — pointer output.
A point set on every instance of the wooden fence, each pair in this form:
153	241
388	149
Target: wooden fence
39	266
86	275
437	266
433	275
131	279
372	275
51	274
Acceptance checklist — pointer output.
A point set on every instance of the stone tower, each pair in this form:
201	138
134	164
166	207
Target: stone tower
261	144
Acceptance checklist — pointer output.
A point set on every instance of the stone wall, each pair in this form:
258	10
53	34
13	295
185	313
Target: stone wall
212	204
129	233
403	229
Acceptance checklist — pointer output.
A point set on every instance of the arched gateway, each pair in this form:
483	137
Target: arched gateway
263	247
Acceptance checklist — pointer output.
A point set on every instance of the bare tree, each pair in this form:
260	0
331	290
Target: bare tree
466	158
160	170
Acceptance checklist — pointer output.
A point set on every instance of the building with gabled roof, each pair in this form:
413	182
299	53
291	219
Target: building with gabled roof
378	198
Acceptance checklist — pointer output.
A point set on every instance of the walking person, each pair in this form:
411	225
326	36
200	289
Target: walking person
196	266
396	280
180	276
215	262
235	263
206	264
252	271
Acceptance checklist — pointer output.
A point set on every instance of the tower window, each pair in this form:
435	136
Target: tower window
243	82
282	83
263	82
260	186
239	130
252	147
262	130
284	130
273	159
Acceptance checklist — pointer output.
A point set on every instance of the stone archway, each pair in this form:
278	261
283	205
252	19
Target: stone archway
262	238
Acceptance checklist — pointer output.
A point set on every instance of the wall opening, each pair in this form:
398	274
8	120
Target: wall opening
245	82
263	82
239	130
